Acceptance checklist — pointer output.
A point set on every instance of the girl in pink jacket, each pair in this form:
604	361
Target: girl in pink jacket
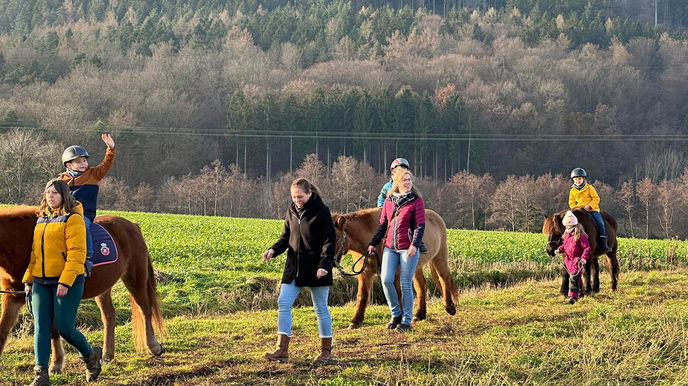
576	250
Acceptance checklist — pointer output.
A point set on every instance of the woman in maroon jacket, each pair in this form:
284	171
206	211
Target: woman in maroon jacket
402	223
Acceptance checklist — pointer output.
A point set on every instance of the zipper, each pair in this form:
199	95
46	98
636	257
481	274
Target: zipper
298	246
43	249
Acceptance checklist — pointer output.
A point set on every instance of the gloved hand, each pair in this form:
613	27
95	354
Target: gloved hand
27	290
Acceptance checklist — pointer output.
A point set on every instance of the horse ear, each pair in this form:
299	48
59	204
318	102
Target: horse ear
340	222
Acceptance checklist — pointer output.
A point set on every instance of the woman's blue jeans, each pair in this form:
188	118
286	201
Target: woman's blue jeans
287	296
49	310
391	259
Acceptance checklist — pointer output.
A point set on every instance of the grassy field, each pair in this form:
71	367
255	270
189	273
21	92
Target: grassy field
524	334
219	298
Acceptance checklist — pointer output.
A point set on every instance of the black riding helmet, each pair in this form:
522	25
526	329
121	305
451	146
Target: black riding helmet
73	152
579	172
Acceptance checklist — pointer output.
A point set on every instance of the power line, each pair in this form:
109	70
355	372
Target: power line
458	137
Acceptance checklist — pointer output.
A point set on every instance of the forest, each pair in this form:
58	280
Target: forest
498	91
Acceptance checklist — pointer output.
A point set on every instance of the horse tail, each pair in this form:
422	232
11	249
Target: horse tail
613	262
441	262
153	304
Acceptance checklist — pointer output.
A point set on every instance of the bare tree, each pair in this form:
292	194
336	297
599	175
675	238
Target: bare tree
27	159
646	195
626	197
667	200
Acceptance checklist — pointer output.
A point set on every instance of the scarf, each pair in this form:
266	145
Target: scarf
401	199
579	187
74	173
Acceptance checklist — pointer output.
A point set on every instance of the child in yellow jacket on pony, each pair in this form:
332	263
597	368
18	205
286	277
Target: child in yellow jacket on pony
584	195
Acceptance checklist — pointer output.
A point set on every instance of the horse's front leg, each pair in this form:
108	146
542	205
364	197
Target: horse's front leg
10	311
57	359
107	315
420	285
365	282
564	288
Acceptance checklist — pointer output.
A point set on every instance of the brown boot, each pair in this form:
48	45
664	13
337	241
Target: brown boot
41	377
325	351
281	354
93	366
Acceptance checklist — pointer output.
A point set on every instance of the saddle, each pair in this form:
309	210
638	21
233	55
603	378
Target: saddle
104	248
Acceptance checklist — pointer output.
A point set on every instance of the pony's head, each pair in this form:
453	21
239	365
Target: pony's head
554	228
341	246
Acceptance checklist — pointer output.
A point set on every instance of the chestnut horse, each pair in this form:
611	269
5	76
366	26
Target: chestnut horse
133	266
354	232
554	227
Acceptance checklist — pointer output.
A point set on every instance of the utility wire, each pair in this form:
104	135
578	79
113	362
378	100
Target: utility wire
287	134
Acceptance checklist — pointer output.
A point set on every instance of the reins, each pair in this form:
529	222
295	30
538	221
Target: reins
365	257
15	293
340	253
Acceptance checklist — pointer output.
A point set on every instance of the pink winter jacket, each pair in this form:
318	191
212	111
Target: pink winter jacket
403	230
574	251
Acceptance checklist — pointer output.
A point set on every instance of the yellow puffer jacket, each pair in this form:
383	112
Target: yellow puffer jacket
587	195
59	248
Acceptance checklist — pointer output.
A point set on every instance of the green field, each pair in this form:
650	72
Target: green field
214	285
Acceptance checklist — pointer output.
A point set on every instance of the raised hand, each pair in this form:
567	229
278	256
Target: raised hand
109	141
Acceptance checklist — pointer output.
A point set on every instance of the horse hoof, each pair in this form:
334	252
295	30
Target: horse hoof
418	318
157	351
55	370
451	310
354	326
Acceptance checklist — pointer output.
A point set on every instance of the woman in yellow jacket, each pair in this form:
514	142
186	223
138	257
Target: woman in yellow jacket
583	194
55	279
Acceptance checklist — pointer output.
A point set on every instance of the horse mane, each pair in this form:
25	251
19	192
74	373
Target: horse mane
553	222
361	213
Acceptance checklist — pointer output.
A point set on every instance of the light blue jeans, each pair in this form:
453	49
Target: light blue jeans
391	259
287	296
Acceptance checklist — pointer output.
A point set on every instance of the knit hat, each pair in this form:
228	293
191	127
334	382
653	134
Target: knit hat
569	219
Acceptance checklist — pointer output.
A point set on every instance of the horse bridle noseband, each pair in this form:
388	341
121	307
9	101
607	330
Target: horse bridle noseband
340	253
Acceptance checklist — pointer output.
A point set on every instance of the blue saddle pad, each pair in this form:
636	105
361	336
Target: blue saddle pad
104	248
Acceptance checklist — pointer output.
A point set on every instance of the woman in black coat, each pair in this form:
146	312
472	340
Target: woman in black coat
308	237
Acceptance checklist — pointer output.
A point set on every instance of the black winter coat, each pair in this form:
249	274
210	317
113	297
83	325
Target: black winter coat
310	241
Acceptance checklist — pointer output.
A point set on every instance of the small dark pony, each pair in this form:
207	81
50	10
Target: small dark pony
354	232
133	267
554	227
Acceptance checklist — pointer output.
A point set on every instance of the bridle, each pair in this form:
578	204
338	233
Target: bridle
338	258
553	241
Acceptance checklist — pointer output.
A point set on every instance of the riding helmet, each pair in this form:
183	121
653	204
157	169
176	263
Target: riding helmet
73	152
579	172
400	162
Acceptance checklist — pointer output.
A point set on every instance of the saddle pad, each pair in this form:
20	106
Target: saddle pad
104	248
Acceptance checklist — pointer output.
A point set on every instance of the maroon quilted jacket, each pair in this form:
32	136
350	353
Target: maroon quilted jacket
401	226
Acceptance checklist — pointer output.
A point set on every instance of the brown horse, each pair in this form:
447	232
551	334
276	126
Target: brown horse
133	266
554	227
354	232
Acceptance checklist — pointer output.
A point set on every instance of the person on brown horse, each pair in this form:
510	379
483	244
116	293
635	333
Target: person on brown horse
308	237
83	183
402	223
582	194
398	164
54	279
